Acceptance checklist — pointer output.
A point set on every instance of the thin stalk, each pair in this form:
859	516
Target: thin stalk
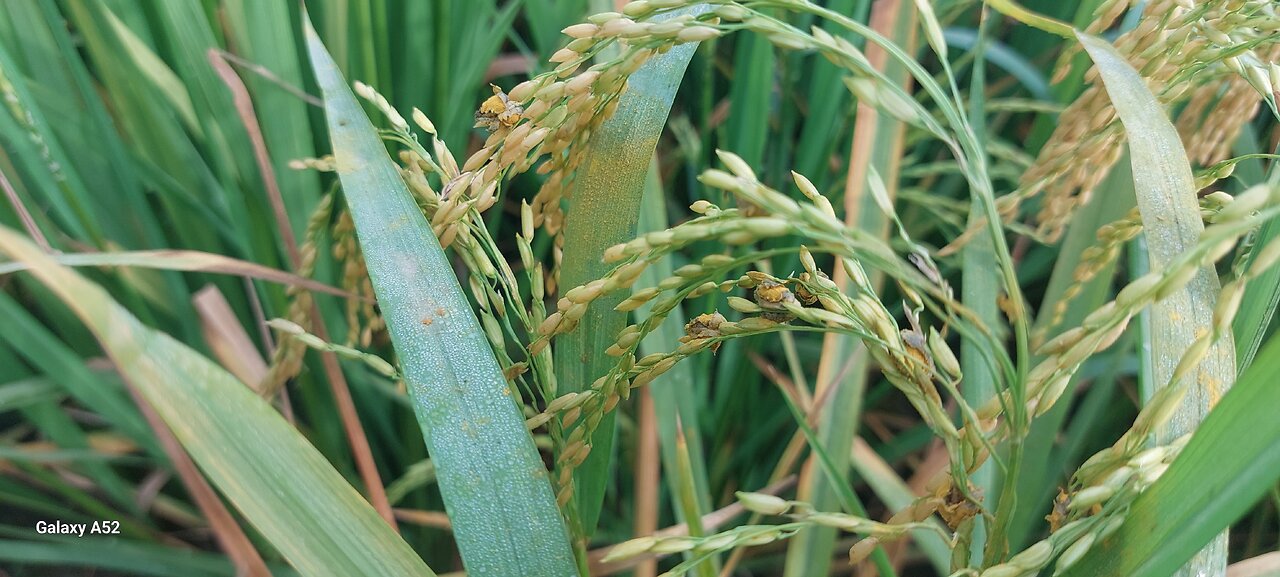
675	395
688	497
647	476
979	292
876	144
24	216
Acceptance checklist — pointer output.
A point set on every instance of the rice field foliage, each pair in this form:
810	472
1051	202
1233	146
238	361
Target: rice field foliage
568	288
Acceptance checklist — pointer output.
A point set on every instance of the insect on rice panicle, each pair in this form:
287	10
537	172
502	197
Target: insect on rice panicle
498	111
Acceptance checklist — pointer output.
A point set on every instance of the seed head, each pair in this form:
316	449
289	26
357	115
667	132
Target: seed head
423	122
629	549
736	165
637	9
697	34
1075	552
762	503
583	30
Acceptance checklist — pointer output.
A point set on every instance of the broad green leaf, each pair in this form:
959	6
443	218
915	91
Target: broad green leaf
278	481
494	484
1172	224
604	212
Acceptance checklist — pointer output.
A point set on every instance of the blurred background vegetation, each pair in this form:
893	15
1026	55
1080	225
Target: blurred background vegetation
118	132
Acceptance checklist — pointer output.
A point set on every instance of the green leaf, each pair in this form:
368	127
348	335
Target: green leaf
278	481
494	484
43	350
1172	224
747	129
980	291
183	260
23	392
1259	304
1041	471
264	33
157	72
605	211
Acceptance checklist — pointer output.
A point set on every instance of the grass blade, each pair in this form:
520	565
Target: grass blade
747	129
1171	219
183	260
128	557
494	485
605	211
264	33
1263	294
1041	472
1259	304
263	465
28	391
45	352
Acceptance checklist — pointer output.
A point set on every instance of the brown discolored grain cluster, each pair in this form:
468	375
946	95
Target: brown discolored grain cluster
1181	50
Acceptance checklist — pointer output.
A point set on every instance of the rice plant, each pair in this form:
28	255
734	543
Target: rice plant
667	287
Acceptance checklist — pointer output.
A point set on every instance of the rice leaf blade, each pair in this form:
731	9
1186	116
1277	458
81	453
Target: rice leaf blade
605	211
286	488
181	260
1041	473
1166	196
495	487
